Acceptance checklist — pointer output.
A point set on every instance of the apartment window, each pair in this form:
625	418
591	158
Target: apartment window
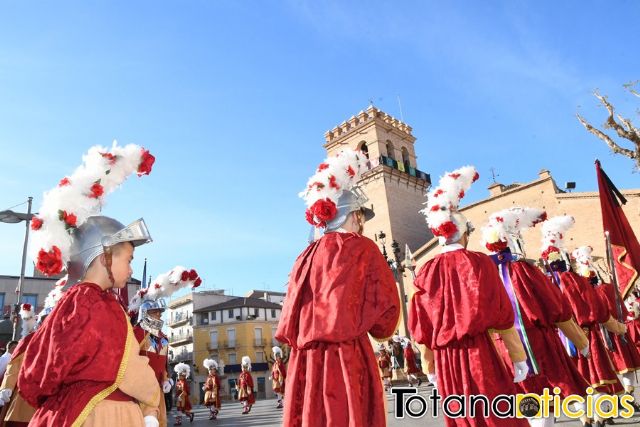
30	299
273	313
231	336
255	312
214	339
232	358
259	356
231	313
212	315
274	341
258	336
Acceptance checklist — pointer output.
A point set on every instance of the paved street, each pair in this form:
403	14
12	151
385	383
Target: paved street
264	413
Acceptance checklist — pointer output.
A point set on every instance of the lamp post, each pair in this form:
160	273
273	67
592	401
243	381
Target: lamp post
398	270
12	217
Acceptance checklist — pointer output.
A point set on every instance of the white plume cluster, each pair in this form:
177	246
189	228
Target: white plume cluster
165	285
554	230
182	369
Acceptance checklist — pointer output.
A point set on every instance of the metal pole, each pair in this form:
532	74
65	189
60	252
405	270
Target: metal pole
21	279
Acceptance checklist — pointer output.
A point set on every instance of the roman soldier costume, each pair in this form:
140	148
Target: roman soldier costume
384	363
410	366
278	375
340	290
460	301
82	365
183	393
246	393
212	388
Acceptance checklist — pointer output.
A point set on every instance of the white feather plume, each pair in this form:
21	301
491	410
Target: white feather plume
165	285
182	368
554	231
209	364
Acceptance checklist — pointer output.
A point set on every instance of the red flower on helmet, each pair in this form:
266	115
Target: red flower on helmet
320	212
49	263
36	223
435	208
157	286
97	190
499	219
184	276
454	175
461	194
26	307
475	177
193	275
110	158
197	283
333	183
446	229
438	192
64	181
146	163
549	251
69	220
351	172
322	166
496	246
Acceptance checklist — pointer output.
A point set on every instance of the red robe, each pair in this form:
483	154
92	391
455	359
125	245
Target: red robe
340	289
410	361
459	299
633	328
182	392
589	311
157	360
73	359
245	383
278	375
625	356
542	305
212	388
384	363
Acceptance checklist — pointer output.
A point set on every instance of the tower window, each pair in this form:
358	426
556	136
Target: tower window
364	149
405	158
390	150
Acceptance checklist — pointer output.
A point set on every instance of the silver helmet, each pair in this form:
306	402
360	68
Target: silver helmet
97	235
349	201
148	323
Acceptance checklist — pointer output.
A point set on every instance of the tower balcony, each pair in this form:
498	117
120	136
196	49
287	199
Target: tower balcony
402	167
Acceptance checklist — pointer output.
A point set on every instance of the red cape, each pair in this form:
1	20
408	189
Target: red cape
590	310
459	298
340	289
542	305
74	359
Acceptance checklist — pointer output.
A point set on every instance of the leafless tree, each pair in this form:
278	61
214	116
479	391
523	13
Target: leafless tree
623	127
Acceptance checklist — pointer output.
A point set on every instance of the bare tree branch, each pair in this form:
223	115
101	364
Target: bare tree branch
611	122
629	125
607	139
629	86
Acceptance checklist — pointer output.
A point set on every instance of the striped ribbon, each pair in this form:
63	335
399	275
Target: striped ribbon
568	345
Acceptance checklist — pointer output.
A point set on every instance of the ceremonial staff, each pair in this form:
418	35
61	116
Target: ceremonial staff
614	279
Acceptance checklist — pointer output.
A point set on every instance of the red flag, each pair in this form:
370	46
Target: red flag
624	244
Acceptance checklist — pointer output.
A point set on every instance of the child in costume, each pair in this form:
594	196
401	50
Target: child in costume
212	388
245	386
182	393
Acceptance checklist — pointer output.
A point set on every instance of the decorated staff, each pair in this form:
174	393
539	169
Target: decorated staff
212	388
340	290
146	307
459	301
278	375
539	309
246	393
82	364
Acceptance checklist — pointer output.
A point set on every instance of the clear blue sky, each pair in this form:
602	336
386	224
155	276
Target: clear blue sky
234	97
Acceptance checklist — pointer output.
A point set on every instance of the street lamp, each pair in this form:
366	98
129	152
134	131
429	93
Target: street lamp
398	269
383	238
11	217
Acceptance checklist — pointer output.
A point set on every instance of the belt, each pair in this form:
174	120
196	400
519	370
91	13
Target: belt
120	396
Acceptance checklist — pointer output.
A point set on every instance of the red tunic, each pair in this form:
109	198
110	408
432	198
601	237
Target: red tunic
278	375
74	356
183	392
589	311
340	289
542	306
459	298
245	383
410	361
212	391
384	363
625	356
157	360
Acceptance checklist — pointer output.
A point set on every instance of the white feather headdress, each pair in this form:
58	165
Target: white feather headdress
443	202
553	234
182	369
584	260
165	285
79	196
333	176
210	364
506	225
277	351
246	361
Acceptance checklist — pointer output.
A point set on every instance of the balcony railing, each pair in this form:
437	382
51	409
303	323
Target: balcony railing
178	320
213	346
182	357
259	342
230	344
177	338
395	164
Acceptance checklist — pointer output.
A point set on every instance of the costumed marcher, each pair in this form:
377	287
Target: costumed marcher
632	302
589	310
246	394
385	365
460	301
82	365
212	388
278	375
539	309
340	290
410	366
622	351
183	393
395	350
146	307
16	411
6	356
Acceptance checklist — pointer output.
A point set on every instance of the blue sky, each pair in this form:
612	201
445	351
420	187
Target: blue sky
234	97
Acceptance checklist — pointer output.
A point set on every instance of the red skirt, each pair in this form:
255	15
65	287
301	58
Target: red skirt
597	369
625	357
556	369
473	366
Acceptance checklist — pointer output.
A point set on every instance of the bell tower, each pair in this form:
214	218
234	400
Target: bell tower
395	186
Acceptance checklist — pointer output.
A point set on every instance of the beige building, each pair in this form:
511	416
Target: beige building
543	193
